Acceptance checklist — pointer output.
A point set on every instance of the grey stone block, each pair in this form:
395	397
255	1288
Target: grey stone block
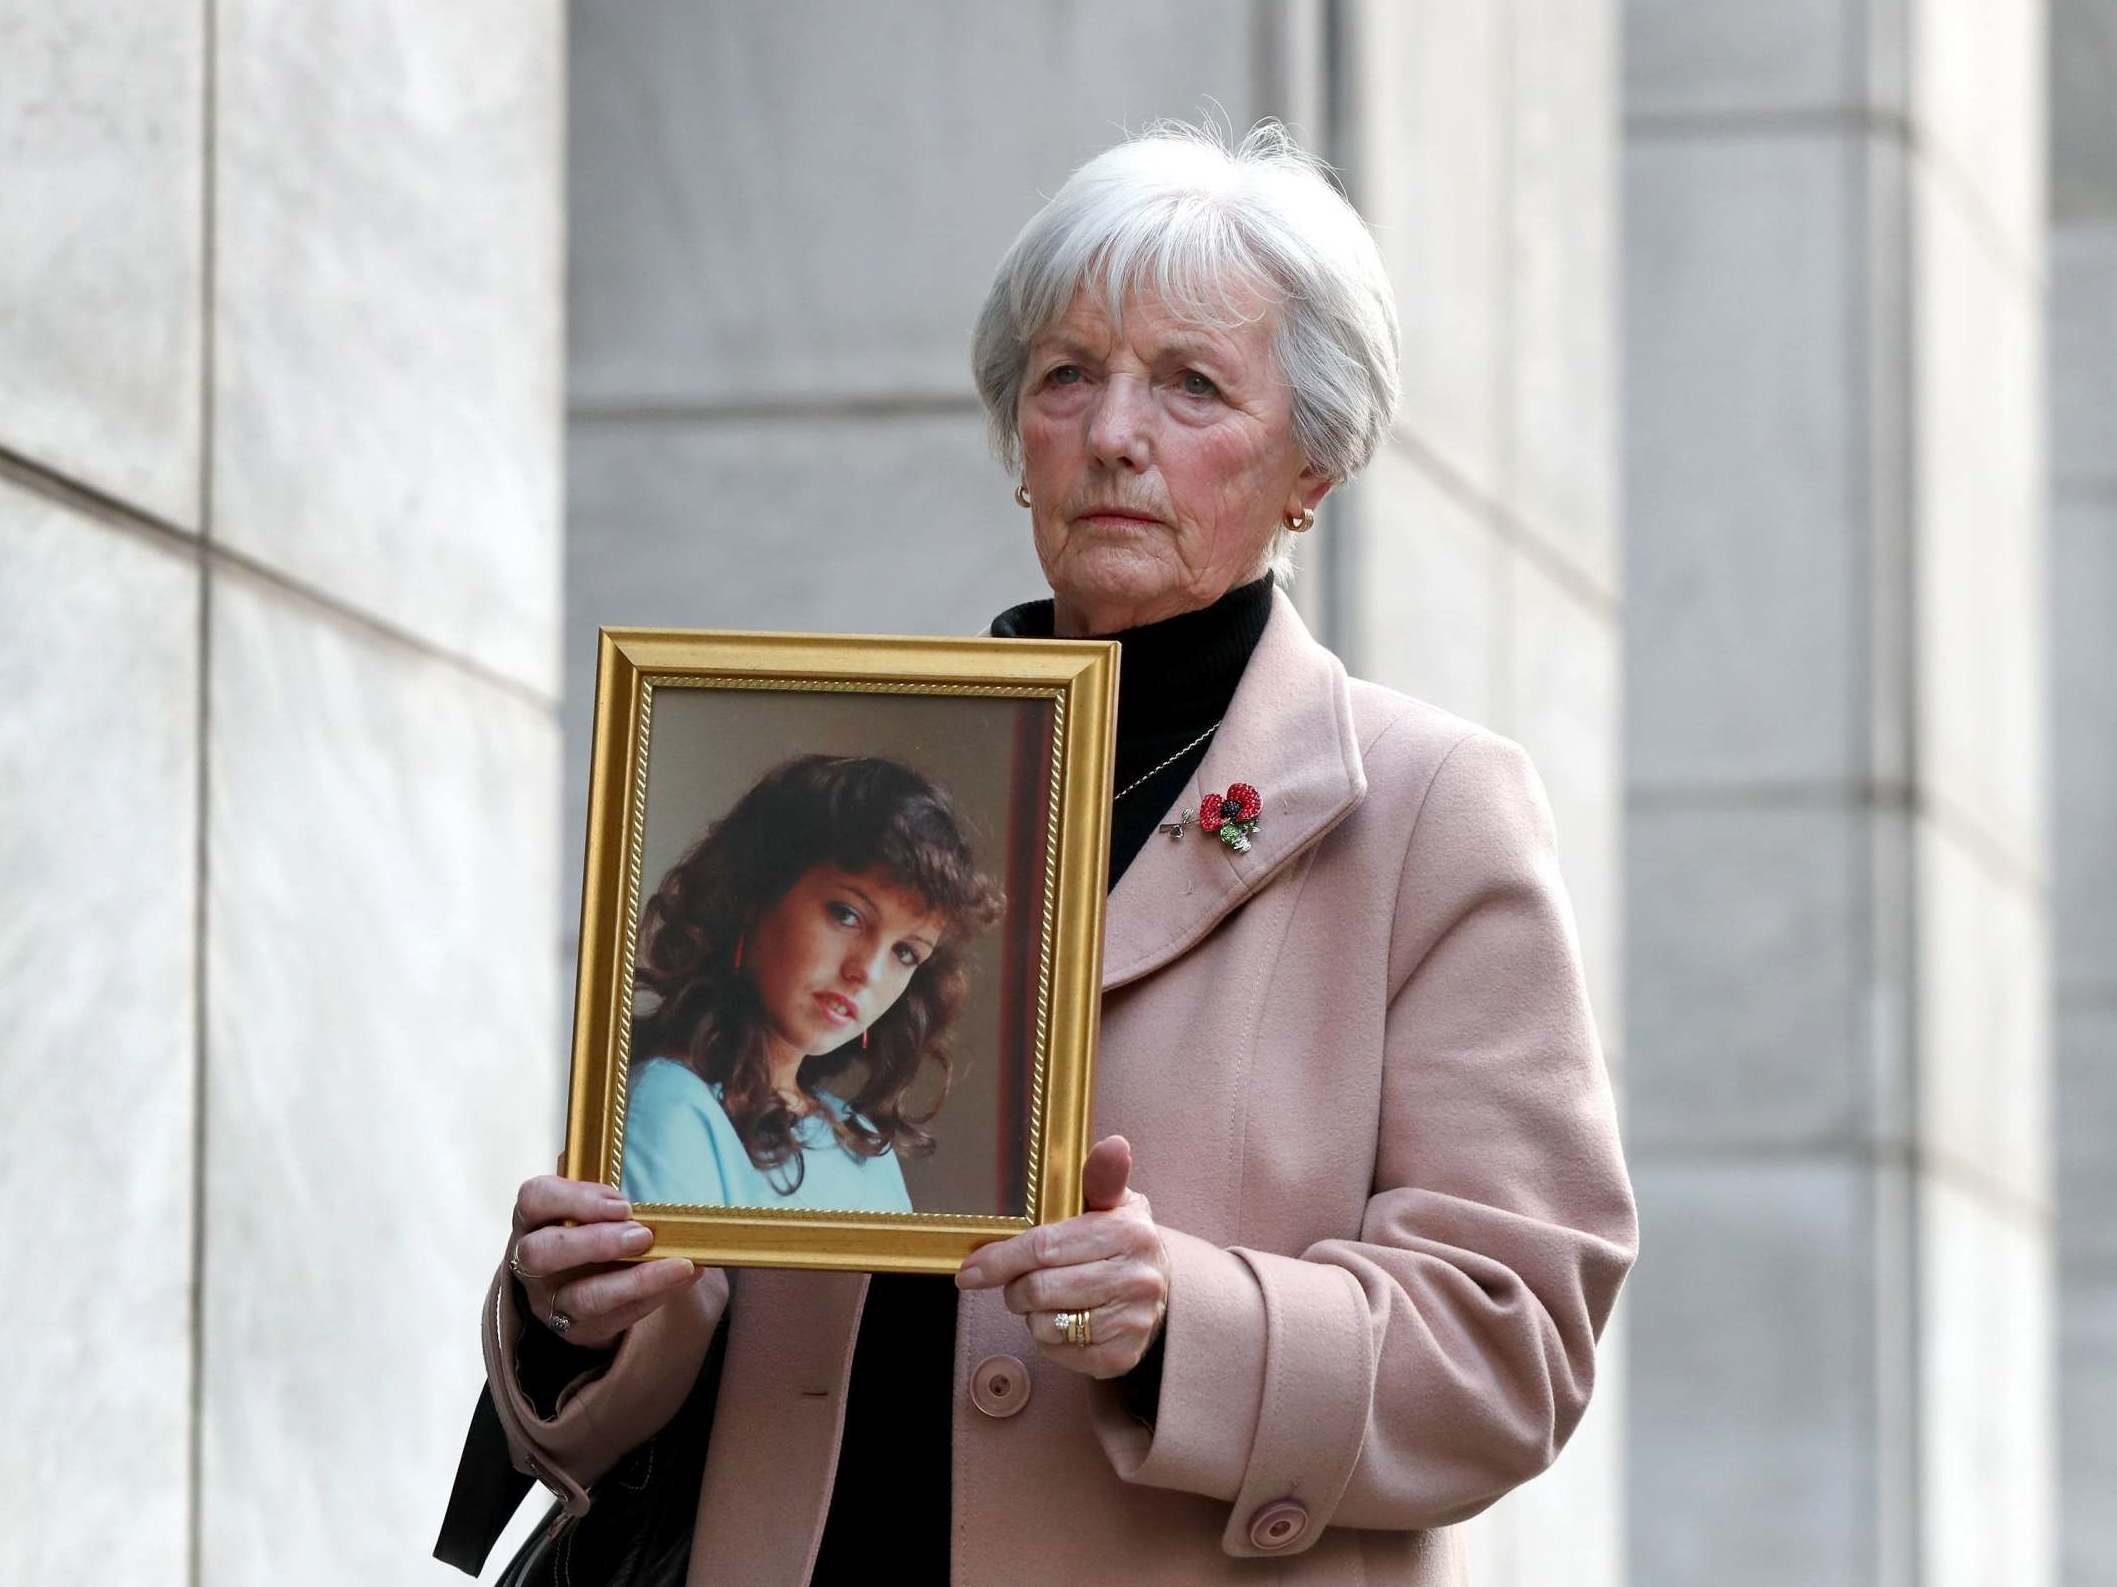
1562	312
2087	1428
1979	489
1751	1454
387	380
2083	748
1986	1433
2083	115
1745	997
807	199
1984	1084
381	1073
2083	354
1743	436
102	133
1428	165
98	864
1705	56
2085	1088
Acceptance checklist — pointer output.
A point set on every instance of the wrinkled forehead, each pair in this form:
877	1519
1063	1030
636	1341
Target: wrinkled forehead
1092	322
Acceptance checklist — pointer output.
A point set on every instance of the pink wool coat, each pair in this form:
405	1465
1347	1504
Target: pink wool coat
1366	1101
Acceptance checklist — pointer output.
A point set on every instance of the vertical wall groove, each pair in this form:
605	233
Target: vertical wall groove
201	918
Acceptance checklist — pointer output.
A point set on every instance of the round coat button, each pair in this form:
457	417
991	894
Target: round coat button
1281	1524
1000	1386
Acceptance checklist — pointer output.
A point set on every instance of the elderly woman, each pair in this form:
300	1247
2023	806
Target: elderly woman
1358	1211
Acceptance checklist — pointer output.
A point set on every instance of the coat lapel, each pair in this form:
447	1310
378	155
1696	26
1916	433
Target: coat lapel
1288	733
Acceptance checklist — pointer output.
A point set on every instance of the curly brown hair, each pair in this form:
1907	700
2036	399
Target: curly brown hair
856	813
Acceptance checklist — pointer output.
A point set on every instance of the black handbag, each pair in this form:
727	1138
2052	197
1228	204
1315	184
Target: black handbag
636	1533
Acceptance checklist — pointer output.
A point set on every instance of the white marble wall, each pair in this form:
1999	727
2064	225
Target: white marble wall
98	864
279	565
2083	343
777	253
1838	886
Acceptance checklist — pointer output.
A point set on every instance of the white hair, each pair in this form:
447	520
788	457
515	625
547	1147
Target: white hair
1179	212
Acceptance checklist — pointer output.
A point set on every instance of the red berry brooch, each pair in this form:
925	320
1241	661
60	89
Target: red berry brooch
1232	815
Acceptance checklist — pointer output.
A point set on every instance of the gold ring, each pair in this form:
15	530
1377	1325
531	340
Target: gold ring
1075	1327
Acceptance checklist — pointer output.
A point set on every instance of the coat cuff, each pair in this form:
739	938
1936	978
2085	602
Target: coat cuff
1212	1374
605	1412
1268	1382
1319	1388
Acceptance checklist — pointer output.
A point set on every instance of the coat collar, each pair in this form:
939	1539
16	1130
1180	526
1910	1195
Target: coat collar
1289	733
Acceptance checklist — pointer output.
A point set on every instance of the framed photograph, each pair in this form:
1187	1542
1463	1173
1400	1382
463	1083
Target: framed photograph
841	941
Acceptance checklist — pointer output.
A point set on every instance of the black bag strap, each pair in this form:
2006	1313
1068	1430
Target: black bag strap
487	1493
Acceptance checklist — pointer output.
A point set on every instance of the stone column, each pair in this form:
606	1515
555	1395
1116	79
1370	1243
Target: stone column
1838	888
1477	563
279	425
2083	344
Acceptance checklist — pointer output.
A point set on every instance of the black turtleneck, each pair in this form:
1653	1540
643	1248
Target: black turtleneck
1175	680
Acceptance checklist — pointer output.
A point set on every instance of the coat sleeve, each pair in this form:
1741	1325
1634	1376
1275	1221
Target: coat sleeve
609	1410
1408	1375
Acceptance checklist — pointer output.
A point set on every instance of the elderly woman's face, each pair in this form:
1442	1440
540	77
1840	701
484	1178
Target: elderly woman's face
1159	462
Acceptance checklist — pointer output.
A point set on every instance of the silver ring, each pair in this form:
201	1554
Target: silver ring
558	1322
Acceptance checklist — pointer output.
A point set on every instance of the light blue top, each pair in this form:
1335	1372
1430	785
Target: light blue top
681	1148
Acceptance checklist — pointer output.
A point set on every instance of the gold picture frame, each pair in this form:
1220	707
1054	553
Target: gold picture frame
756	685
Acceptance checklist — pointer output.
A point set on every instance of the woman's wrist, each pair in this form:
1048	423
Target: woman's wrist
1141	1386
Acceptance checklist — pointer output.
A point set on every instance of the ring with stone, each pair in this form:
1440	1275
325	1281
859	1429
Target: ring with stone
1074	1327
558	1322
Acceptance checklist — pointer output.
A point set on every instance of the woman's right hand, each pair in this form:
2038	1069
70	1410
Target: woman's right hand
568	1248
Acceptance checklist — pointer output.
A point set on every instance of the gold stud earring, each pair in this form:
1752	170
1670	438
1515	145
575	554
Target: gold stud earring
1021	493
1302	522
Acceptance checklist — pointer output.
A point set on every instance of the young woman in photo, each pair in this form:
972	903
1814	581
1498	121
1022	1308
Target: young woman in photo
799	972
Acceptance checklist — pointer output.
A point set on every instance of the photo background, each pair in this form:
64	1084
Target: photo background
708	746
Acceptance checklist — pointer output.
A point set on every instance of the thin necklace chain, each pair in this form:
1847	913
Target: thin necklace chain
1139	782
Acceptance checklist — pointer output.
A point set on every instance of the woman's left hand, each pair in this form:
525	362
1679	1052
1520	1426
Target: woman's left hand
1109	1262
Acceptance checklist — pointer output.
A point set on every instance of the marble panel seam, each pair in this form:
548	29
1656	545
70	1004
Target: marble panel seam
201	1041
1956	188
1550	558
1991	853
72	494
76	495
229	563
